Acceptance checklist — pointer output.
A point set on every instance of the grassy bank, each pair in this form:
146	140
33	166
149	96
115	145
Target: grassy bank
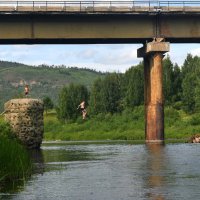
128	125
97	128
15	162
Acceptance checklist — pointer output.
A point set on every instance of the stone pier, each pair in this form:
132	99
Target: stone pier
26	119
152	53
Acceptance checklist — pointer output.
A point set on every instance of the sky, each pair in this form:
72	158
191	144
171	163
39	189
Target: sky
101	57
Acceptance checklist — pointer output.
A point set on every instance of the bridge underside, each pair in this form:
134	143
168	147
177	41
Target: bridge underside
91	41
43	28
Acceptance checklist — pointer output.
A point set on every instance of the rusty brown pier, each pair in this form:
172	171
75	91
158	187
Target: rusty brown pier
155	24
152	53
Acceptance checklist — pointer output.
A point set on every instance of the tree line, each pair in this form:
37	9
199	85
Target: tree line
117	92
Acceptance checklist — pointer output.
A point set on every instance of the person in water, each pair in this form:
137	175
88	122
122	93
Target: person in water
83	110
26	90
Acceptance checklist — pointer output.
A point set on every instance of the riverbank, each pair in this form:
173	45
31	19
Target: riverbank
15	160
128	125
100	142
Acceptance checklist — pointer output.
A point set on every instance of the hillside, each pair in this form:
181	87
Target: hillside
43	80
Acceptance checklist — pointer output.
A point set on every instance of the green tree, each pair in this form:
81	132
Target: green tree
197	95
176	84
134	86
96	98
106	95
190	65
69	99
188	97
190	84
112	93
168	80
48	104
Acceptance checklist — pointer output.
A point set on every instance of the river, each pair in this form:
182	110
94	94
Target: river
112	171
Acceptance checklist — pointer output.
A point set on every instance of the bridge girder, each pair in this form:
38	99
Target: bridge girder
43	28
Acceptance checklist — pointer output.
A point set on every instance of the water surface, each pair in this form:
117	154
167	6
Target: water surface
113	172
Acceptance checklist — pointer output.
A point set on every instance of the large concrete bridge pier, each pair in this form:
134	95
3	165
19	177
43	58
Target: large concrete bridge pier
153	53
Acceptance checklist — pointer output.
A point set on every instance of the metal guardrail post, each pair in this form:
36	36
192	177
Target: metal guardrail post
80	5
149	5
46	5
168	5
33	5
17	6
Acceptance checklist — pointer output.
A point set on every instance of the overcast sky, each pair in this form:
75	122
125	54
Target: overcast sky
116	57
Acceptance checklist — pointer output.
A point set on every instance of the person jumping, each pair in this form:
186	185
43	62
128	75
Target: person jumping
83	109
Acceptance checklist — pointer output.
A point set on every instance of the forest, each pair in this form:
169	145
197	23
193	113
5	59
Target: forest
117	92
115	105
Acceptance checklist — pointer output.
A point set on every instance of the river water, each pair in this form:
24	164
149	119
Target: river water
112	171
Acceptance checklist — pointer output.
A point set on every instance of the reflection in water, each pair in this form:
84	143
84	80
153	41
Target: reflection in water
155	180
38	160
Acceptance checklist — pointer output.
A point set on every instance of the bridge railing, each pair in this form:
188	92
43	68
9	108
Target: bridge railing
99	6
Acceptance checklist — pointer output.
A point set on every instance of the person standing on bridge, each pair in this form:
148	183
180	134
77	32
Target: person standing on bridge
83	109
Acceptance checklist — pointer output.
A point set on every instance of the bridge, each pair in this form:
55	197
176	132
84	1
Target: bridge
31	22
155	24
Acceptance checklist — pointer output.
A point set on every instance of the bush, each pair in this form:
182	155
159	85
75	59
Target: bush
171	116
126	115
100	117
138	113
108	116
120	137
172	113
80	120
5	130
178	105
195	120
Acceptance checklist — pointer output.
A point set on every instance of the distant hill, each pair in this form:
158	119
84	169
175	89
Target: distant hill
43	80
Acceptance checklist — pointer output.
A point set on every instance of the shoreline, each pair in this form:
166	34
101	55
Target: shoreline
109	141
